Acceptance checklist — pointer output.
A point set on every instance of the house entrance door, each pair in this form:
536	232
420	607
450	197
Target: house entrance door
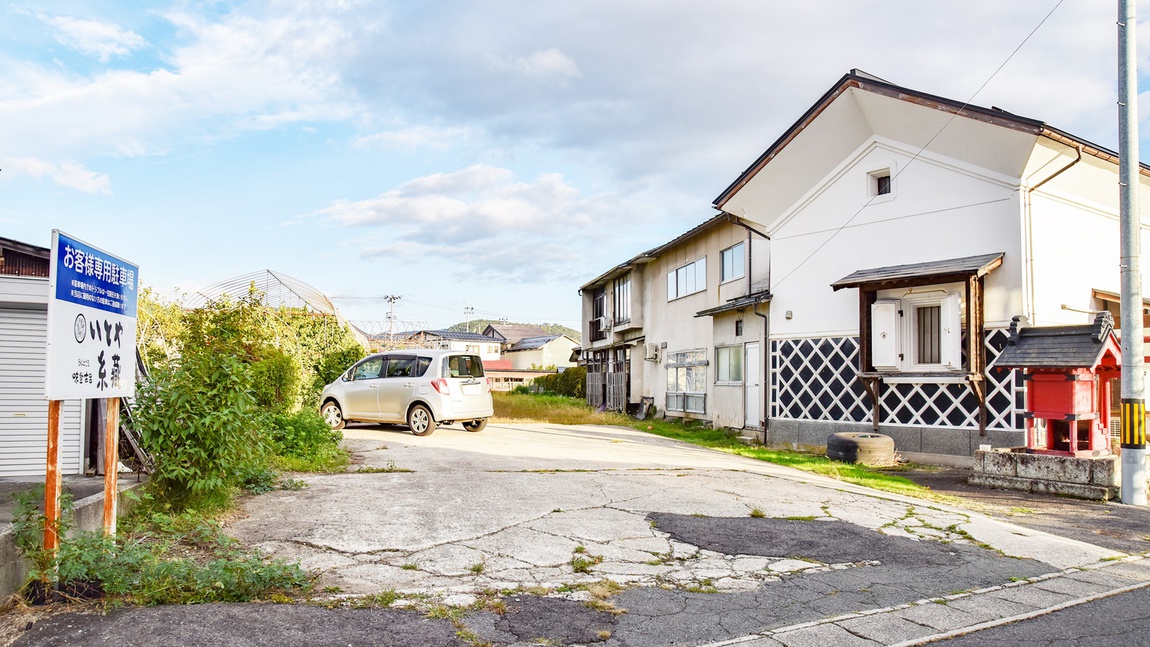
752	382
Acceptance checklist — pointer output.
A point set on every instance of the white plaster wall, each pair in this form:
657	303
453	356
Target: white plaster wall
941	209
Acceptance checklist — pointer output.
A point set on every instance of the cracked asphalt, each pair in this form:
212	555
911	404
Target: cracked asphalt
564	535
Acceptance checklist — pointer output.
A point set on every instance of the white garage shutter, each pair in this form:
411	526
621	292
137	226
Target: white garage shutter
23	409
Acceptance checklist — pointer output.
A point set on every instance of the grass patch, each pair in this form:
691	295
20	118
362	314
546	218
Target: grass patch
516	407
758	513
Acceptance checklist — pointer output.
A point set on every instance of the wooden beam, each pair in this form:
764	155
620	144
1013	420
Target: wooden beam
111	464
52	480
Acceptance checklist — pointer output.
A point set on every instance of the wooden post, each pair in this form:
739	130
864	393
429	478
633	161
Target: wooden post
52	481
111	464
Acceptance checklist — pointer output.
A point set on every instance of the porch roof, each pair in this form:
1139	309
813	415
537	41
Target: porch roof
745	301
920	273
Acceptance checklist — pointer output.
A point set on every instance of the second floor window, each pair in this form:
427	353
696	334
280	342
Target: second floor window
734	263
623	299
688	279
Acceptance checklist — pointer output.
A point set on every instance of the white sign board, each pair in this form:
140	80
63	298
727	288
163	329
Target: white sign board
91	322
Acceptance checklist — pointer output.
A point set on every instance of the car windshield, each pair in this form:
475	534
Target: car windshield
464	366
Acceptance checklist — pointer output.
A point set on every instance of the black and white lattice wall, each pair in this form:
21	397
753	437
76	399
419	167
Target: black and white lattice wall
815	379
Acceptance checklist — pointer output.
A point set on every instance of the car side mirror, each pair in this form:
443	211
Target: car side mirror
346	376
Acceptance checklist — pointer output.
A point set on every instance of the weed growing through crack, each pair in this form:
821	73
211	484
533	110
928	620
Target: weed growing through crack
477	569
758	513
583	564
390	468
703	586
332	589
580	549
805	517
409	566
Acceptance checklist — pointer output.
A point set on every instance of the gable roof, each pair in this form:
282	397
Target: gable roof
863	81
512	333
653	253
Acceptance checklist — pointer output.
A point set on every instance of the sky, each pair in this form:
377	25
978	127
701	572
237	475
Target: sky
492	155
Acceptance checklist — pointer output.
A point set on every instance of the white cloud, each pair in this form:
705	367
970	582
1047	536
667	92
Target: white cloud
546	64
487	223
94	38
69	174
414	138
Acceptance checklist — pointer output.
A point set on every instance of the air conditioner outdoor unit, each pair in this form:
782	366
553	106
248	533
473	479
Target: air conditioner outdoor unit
652	353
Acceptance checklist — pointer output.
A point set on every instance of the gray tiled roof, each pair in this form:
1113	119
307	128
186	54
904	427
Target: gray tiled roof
1079	346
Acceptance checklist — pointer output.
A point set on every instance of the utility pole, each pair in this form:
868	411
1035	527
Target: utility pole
1133	386
391	299
467	312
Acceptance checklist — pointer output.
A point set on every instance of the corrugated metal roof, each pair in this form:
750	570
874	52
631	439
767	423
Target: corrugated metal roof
978	265
744	301
533	343
512	333
453	334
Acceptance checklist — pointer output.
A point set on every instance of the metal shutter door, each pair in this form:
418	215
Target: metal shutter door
23	409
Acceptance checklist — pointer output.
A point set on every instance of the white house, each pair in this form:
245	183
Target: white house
548	351
471	342
906	230
23	343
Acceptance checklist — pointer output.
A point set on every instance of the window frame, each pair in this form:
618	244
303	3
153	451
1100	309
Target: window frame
873	184
908	335
679	280
727	353
693	364
621	292
728	253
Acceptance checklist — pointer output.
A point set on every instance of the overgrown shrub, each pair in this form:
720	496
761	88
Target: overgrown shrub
275	380
332	363
303	434
199	420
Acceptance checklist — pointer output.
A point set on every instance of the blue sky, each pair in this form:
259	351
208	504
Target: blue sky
488	154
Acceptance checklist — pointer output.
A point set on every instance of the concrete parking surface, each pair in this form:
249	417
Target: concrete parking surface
702	547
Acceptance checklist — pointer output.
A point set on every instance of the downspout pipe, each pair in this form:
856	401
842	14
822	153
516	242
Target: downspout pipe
765	352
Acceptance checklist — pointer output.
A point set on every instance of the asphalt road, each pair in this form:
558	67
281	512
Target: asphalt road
511	536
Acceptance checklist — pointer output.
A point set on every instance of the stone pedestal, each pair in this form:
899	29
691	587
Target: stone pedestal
1096	478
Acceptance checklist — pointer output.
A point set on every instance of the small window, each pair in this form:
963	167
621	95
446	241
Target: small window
623	299
880	184
928	336
688	279
729	365
738	327
734	262
687	381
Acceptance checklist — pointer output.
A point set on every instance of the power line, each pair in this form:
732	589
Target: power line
924	146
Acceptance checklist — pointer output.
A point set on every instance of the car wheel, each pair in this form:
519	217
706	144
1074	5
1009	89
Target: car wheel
420	421
475	425
332	414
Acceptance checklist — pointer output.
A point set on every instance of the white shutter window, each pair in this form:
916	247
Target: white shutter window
951	332
884	327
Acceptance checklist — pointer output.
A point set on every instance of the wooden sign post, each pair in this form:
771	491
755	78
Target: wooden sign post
52	480
111	464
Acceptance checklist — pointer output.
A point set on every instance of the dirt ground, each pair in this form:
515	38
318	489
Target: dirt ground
1112	525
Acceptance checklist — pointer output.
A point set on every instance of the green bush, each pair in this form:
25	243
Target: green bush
571	382
201	424
275	380
332	363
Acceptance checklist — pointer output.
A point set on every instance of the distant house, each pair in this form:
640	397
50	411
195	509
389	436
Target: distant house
482	345
529	347
550	351
23	348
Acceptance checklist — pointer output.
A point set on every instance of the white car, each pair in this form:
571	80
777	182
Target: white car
419	388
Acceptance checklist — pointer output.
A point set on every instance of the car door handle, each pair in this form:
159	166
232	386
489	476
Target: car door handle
374	386
409	385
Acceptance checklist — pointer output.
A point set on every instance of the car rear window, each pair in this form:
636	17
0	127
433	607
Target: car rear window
464	366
